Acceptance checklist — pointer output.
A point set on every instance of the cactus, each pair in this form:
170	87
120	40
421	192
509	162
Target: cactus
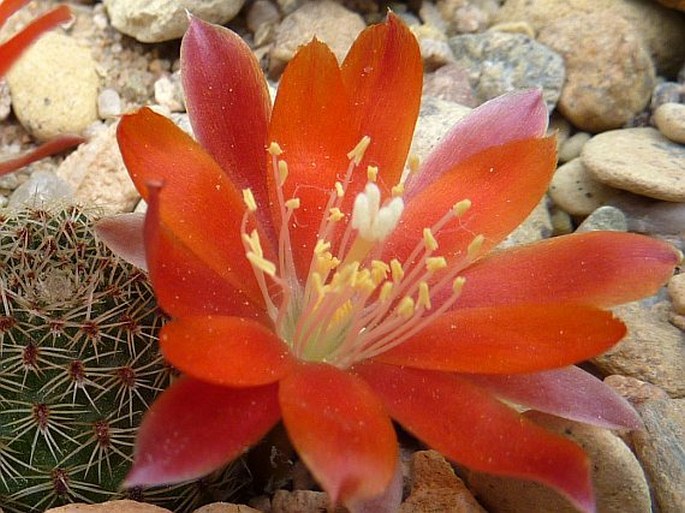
79	365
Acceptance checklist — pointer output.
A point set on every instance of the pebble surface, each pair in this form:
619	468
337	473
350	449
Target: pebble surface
639	160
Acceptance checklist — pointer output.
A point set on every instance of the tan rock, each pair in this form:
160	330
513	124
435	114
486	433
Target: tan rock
609	73
97	173
224	507
576	191
54	87
662	30
660	447
676	289
436	117
303	501
573	146
635	390
618	479
669	118
535	227
122	506
450	83
435	487
639	160
329	21
604	218
652	351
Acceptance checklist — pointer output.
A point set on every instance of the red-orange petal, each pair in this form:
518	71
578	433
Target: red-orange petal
383	74
509	339
184	285
340	430
228	103
468	425
310	123
503	183
198	203
9	7
51	147
227	351
11	49
194	428
597	268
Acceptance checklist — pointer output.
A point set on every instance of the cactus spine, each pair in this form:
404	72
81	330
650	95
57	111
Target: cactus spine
79	365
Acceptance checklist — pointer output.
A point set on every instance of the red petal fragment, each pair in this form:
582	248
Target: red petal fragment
194	428
310	123
123	235
227	351
9	7
597	268
51	147
509	339
198	204
511	117
504	183
183	284
476	430
570	393
340	431
11	50
383	74
228	103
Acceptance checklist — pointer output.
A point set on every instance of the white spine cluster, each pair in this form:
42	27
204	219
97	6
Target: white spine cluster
373	221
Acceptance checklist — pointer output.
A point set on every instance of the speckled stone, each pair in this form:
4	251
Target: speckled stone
639	160
575	190
499	62
54	87
609	73
605	218
652	351
669	118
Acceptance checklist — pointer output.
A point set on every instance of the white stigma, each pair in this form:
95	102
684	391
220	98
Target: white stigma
372	221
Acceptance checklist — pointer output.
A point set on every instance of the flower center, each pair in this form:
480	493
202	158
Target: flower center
352	305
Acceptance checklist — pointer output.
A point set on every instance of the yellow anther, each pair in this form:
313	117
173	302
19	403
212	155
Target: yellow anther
372	173
460	208
321	247
342	313
335	215
475	247
397	271
261	263
413	163
339	190
397	190
405	308
424	296
253	243
274	149
293	203
326	262
249	200
357	153
282	172
379	270
365	284
429	240
317	284
434	264
386	290
458	284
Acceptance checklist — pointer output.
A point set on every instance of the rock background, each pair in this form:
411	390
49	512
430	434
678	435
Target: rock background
613	76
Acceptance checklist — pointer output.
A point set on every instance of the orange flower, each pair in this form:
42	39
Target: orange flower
312	283
10	51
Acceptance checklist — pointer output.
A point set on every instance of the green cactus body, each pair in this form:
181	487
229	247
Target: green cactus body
79	365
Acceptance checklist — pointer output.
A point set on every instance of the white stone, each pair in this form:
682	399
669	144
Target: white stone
54	87
153	21
109	104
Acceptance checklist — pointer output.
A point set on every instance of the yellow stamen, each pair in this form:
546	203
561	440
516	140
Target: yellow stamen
339	190
293	203
379	270
386	290
321	247
335	215
397	271
372	173
434	264
274	149
282	172
413	163
475	247
261	263
424	296
461	207
458	284
429	240
405	308
357	153
249	200
397	190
